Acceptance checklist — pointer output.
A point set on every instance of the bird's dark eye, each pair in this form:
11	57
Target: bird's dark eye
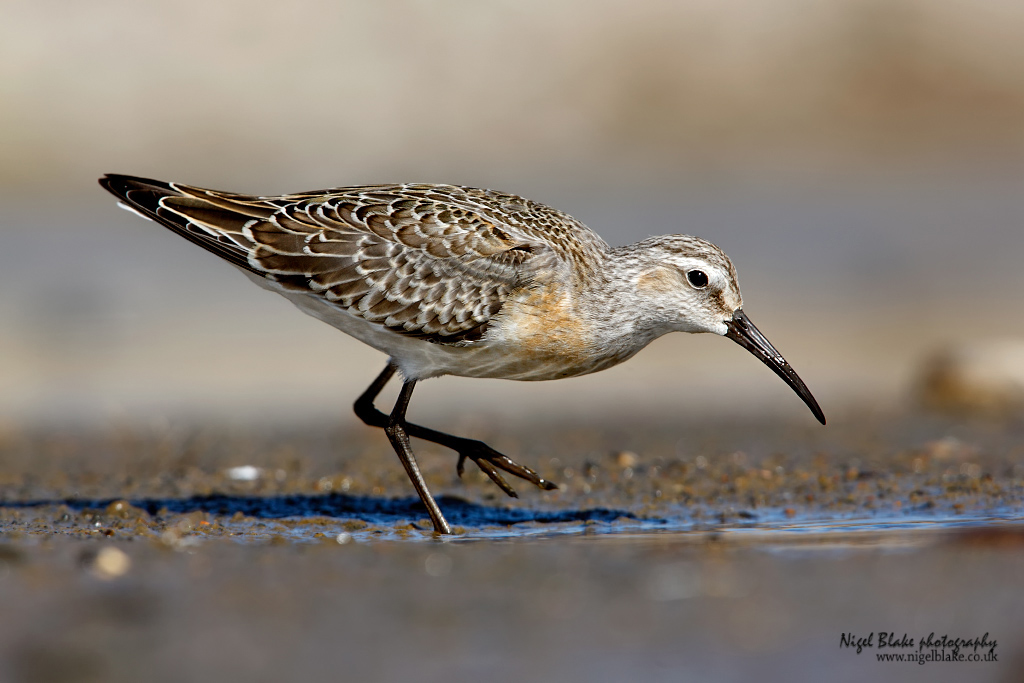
697	278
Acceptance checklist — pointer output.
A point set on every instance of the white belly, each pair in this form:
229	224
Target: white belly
498	355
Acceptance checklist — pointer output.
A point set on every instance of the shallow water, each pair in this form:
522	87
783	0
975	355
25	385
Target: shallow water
748	549
312	519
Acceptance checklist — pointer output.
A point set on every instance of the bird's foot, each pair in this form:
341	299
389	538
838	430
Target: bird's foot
490	461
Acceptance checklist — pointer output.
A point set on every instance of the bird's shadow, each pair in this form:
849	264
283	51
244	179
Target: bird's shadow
370	509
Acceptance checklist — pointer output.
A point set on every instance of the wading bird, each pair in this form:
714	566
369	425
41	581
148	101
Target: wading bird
450	280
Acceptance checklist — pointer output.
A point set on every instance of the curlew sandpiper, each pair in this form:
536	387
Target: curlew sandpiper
450	280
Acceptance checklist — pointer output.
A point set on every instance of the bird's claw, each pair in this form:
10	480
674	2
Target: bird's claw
490	461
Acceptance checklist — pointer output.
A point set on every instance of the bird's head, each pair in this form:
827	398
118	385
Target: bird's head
690	286
690	282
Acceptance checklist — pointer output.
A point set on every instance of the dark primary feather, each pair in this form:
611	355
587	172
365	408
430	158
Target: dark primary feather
434	261
144	196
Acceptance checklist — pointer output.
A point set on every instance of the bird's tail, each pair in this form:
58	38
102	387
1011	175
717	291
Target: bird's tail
215	221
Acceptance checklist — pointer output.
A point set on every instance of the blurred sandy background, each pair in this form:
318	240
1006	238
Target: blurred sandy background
861	161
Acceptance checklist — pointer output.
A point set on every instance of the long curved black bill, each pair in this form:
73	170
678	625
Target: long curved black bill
743	332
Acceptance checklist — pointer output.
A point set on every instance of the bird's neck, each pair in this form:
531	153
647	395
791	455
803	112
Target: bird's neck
621	318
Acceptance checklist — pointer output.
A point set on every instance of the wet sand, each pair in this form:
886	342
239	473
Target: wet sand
720	550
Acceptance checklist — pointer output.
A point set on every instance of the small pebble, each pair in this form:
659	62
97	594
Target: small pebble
981	378
243	473
438	564
626	459
111	563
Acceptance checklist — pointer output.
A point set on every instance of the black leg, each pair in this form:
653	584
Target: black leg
364	408
485	457
396	431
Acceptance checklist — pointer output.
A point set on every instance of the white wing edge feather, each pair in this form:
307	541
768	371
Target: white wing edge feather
126	207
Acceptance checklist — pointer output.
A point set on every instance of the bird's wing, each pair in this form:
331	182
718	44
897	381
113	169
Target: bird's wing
427	260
